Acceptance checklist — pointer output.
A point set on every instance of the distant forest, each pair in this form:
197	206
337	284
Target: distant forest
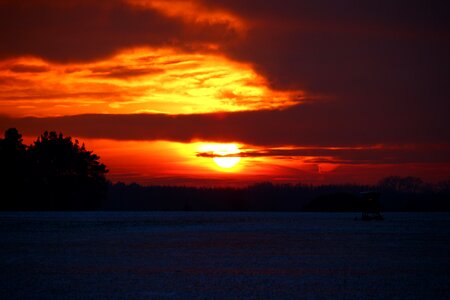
397	194
57	173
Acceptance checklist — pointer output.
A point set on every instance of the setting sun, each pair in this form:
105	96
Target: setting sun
226	162
226	156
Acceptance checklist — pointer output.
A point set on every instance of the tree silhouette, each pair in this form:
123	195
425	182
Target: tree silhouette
12	141
54	173
12	168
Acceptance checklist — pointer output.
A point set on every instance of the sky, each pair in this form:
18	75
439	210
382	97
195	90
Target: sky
232	92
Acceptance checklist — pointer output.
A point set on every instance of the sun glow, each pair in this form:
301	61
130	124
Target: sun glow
226	156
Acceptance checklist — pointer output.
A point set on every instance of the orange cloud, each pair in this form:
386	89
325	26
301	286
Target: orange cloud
192	11
136	81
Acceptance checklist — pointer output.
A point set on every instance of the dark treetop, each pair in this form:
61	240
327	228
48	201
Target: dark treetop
53	173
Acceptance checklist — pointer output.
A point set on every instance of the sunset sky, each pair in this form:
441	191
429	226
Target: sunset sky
232	92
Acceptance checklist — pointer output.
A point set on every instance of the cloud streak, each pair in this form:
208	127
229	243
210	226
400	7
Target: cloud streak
352	155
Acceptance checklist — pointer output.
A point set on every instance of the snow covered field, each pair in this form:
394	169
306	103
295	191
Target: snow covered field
163	255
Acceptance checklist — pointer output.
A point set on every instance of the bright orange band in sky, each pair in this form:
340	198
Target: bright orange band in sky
136	81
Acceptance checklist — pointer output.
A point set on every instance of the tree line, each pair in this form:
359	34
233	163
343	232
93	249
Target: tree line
397	194
57	173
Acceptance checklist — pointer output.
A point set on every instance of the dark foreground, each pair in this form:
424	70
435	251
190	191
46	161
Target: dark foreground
223	256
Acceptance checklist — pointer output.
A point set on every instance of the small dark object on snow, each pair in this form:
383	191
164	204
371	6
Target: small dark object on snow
371	206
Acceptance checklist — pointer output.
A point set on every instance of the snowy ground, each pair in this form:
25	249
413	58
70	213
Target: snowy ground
223	256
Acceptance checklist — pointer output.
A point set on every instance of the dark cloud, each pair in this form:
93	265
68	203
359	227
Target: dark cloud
399	14
381	65
361	155
351	49
85	30
303	125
